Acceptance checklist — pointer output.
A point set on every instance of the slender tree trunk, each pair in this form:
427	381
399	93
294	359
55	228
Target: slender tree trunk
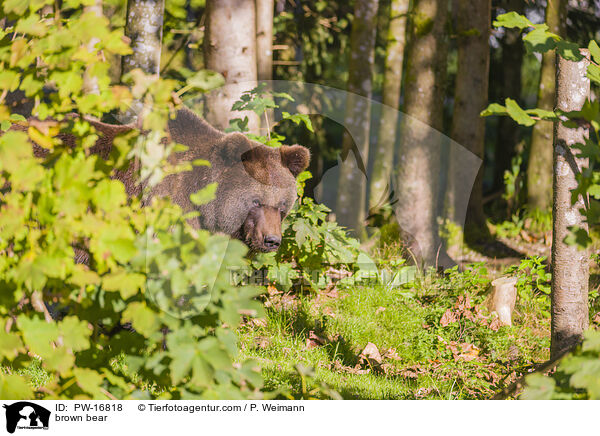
539	169
90	83
144	29
570	265
508	130
351	200
419	157
392	81
470	98
264	38
230	49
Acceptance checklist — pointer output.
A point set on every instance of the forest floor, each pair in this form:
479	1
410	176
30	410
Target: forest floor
428	339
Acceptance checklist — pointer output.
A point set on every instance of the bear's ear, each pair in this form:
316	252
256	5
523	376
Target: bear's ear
295	157
232	147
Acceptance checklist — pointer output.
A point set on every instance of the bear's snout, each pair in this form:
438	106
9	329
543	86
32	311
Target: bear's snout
262	229
272	242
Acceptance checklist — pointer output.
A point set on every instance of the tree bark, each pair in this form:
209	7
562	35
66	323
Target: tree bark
570	265
90	83
419	156
470	98
144	28
392	81
539	168
508	130
230	49
351	199
264	38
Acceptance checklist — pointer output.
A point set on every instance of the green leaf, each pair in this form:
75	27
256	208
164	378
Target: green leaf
143	319
14	387
59	360
299	118
75	333
16	6
594	51
539	387
10	345
593	73
38	335
109	194
518	114
578	236
205	80
181	362
493	109
512	19
569	51
90	381
31	26
302	231
123	249
540	40
205	195
82	277
127	284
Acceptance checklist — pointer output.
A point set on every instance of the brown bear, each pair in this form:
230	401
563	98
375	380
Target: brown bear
256	183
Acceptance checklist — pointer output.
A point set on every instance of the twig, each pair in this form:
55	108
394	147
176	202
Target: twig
184	41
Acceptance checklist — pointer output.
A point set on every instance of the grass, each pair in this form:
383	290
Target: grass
422	355
431	338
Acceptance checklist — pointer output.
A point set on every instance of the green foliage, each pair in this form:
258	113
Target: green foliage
435	337
533	284
311	244
576	377
147	268
513	181
539	40
259	100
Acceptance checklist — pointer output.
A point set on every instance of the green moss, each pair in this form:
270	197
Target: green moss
422	24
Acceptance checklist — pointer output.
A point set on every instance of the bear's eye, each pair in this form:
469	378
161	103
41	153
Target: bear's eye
256	203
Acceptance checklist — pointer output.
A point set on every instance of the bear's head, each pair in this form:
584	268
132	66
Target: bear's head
256	189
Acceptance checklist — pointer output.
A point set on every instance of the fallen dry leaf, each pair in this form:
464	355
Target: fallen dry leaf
314	340
371	354
262	342
447	318
391	354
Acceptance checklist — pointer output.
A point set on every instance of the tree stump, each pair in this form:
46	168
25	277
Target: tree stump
503	298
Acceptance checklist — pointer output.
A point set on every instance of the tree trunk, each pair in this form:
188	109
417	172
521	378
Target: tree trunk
539	169
230	49
570	265
419	157
351	199
264	38
90	83
392	81
470	98
144	29
508	130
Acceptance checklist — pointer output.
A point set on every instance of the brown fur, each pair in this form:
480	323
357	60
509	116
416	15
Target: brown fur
256	183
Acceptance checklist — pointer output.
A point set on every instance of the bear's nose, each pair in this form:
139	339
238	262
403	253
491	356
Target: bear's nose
272	242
